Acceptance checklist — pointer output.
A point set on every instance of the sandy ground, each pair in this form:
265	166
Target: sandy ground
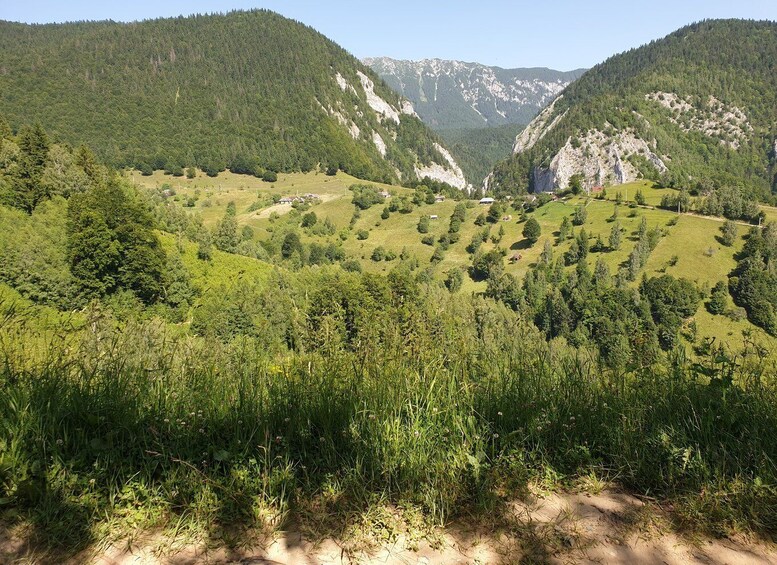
609	527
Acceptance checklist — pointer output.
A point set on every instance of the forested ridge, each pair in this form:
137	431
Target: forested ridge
734	61
246	90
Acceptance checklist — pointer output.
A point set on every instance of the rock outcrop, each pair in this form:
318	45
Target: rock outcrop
454	94
601	159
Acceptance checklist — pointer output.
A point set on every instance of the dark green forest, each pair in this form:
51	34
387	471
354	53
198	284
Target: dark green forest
244	91
477	150
732	60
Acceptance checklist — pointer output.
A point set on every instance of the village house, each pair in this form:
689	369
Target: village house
487	200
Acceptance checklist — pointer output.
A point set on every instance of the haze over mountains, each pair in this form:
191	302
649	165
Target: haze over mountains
454	94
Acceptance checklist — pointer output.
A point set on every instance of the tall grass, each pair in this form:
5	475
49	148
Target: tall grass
455	399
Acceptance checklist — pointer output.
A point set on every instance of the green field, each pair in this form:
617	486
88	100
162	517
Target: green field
690	248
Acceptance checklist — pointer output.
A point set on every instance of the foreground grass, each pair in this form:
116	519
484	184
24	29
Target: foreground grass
438	403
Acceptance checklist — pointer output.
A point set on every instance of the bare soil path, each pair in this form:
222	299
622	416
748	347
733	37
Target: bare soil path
608	527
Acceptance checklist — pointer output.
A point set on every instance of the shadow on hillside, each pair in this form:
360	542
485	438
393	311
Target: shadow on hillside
521	245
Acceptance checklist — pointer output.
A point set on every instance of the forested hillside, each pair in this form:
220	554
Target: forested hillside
478	150
249	90
697	109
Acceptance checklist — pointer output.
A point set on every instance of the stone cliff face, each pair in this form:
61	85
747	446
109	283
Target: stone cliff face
601	159
444	169
454	94
608	158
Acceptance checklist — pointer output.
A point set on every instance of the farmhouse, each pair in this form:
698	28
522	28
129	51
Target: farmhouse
439	198
487	200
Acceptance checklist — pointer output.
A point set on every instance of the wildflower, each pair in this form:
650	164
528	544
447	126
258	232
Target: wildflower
60	442
499	414
417	433
371	416
91	481
202	431
286	420
496	436
322	439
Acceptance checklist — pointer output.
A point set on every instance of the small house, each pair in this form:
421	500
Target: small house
385	193
507	218
515	257
439	198
487	200
433	217
286	200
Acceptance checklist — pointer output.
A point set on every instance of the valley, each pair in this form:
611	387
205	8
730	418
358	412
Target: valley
262	301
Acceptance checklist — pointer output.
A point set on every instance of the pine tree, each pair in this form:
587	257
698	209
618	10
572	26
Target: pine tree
225	238
615	237
532	230
111	243
602	278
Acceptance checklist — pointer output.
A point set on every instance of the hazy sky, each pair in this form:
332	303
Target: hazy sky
561	34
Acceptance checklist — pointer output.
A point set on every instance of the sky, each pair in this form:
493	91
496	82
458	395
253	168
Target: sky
560	34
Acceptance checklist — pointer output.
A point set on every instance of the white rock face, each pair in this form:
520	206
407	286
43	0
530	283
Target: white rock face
379	143
448	171
451	174
407	108
343	84
492	95
537	129
382	108
601	160
728	124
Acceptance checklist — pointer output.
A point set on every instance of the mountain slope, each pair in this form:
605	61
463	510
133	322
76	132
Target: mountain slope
478	150
247	90
695	109
458	95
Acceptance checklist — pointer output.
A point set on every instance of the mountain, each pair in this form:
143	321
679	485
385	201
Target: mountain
458	95
696	109
478	150
247	90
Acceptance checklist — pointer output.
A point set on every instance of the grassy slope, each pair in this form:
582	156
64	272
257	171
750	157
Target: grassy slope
690	240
